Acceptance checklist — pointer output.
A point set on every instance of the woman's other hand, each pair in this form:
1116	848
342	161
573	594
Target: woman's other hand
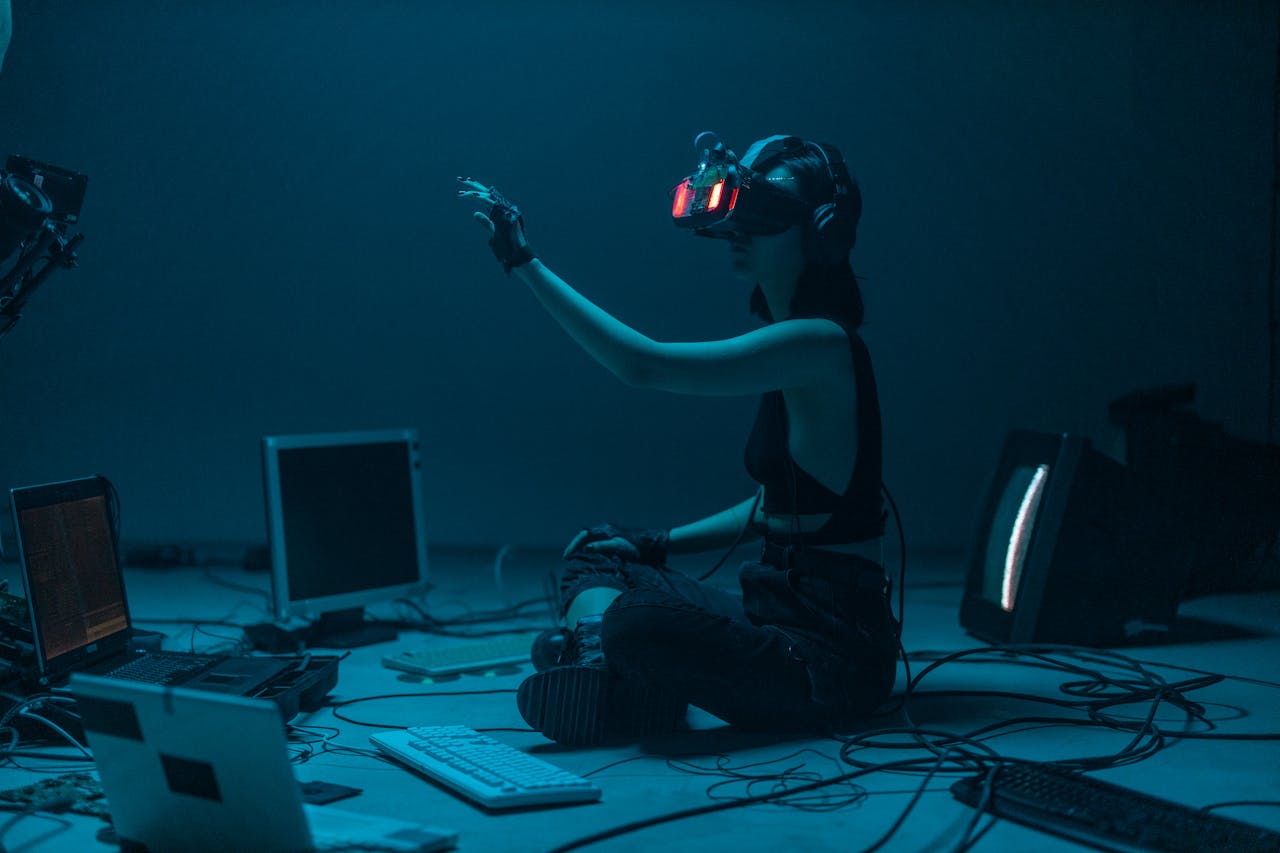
640	546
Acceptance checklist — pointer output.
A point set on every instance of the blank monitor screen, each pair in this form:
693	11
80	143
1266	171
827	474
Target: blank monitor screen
345	518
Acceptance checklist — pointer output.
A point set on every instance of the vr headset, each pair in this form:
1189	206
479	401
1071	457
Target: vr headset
728	196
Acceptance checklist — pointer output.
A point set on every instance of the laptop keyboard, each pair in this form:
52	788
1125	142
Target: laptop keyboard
162	669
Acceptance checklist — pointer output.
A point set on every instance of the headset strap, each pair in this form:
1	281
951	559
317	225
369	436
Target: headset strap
771	147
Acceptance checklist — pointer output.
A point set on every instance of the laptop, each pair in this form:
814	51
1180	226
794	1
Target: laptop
67	547
194	771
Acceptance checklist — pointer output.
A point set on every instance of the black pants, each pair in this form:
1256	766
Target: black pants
809	644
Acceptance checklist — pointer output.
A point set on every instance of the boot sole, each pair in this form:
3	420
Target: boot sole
566	703
584	706
638	710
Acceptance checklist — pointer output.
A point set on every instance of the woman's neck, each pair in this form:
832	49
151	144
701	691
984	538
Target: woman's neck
779	296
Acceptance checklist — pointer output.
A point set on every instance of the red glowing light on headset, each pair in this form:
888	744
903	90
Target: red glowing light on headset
733	198
716	190
681	204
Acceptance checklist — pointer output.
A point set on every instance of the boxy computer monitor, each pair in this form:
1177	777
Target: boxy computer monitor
1070	548
345	528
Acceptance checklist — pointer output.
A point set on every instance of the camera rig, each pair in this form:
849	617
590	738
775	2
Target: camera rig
38	205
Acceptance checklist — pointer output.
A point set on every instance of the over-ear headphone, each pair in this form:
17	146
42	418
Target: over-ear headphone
834	227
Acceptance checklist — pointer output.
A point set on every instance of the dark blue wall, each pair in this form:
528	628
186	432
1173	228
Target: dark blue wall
1063	201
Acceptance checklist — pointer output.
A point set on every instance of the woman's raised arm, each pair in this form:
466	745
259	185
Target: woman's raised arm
787	354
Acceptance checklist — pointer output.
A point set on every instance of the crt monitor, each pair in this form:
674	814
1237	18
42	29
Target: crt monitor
1070	548
345	529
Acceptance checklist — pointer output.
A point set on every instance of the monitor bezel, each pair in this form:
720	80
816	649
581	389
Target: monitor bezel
283	606
50	494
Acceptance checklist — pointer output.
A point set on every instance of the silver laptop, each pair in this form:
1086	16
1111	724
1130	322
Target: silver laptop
196	771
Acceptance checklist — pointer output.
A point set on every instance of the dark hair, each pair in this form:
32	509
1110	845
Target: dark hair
825	289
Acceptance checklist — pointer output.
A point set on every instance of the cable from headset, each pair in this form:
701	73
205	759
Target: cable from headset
797	533
751	515
902	556
902	598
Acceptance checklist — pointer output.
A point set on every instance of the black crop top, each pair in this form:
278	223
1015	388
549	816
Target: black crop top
858	513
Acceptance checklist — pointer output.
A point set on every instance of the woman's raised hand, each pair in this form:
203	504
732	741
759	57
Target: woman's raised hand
503	221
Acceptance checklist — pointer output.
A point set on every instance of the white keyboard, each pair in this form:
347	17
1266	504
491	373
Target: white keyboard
449	656
481	769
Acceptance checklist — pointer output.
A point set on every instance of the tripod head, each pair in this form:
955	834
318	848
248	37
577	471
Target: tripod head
38	205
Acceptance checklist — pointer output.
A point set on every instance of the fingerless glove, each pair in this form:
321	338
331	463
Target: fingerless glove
508	242
651	544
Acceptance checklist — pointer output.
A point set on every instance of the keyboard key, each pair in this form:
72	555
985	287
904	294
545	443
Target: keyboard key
161	668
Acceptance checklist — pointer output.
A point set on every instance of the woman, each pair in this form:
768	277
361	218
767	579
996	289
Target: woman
811	643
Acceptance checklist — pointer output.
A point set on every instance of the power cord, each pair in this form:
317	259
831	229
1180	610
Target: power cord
336	705
1095	696
28	715
645	823
1091	691
446	627
902	570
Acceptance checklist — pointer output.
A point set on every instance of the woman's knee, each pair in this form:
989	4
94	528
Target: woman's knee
583	572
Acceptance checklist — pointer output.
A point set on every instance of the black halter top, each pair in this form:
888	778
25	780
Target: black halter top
857	514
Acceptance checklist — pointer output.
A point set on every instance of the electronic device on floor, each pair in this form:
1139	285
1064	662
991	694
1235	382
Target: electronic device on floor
345	524
1066	530
1107	816
485	771
195	771
452	656
80	622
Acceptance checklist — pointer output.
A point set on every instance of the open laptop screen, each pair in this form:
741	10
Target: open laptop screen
73	582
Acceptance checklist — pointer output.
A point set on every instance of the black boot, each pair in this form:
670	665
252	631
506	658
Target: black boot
551	648
580	703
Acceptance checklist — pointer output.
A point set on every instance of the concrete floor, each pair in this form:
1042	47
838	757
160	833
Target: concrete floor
677	772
